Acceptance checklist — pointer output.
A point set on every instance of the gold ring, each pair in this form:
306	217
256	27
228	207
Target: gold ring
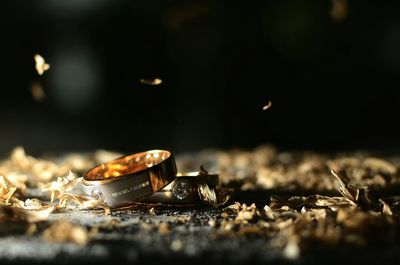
129	178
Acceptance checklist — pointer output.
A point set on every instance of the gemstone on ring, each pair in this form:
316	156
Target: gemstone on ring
97	195
181	190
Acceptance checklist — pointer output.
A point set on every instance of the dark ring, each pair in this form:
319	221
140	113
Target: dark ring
183	190
129	178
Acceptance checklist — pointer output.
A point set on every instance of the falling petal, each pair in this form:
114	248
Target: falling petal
152	82
41	65
268	105
339	10
37	92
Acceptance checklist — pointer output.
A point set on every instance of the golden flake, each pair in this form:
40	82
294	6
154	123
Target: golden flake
151	81
41	65
268	105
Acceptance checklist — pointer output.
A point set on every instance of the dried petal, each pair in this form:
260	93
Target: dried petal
343	187
37	92
64	231
268	105
151	81
207	194
380	165
41	65
214	197
386	208
71	200
30	216
292	248
62	185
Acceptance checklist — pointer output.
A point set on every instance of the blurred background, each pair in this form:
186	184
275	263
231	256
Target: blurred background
331	69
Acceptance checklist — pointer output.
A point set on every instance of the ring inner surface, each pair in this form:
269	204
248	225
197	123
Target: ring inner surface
127	165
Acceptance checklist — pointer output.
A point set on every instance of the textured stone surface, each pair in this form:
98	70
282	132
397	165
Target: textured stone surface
187	235
135	238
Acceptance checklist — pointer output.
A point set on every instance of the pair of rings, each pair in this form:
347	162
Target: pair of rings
147	177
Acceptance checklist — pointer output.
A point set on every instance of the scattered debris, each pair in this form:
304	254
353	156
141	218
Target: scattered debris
292	249
355	203
386	208
8	213
176	245
70	200
212	223
61	185
64	231
163	228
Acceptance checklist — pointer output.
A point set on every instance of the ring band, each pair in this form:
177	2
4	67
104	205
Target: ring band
129	178
183	190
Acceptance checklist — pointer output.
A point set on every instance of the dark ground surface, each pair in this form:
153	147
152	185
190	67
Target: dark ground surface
133	236
133	243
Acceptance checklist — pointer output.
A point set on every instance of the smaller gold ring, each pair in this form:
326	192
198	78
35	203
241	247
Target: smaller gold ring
183	190
129	178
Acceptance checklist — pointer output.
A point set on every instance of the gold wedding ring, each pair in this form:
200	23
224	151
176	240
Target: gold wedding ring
129	178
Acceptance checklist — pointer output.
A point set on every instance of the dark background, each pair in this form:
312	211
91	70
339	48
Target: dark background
334	82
